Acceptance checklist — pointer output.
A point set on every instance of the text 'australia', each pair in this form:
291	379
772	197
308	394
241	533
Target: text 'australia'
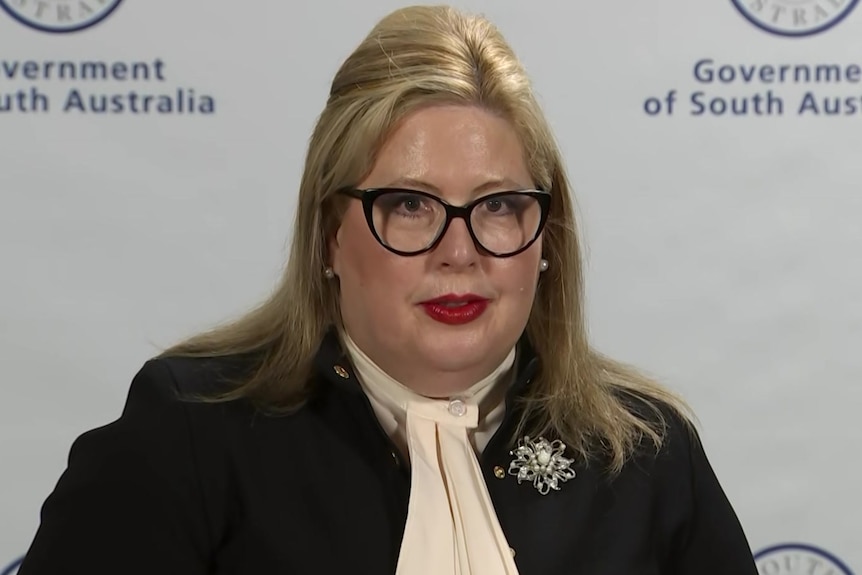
180	102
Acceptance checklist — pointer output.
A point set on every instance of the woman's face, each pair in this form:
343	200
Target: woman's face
458	154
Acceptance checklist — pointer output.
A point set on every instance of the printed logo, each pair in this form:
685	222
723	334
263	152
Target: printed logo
59	16
795	17
13	568
798	559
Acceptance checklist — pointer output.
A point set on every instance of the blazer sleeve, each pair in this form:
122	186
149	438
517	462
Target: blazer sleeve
128	501
714	541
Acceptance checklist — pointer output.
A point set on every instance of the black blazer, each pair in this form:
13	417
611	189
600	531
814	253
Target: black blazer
176	487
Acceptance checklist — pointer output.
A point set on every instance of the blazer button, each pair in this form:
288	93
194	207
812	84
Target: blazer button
499	472
512	551
396	460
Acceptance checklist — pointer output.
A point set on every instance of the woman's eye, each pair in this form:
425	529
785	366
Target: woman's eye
411	204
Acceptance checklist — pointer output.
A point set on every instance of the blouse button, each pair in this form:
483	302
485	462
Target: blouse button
457	408
499	472
512	551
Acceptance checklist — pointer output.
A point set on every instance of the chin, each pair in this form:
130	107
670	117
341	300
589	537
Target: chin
456	352
464	347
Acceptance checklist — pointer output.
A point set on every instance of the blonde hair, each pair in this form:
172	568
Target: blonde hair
416	57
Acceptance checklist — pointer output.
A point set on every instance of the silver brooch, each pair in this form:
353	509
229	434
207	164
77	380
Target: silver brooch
542	463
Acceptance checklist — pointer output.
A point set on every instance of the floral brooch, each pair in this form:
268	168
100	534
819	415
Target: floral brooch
542	463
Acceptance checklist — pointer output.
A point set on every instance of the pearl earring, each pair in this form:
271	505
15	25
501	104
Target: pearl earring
328	273
544	265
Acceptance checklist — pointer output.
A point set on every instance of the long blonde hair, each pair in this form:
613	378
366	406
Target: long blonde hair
415	57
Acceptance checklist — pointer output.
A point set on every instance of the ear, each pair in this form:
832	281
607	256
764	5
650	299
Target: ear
334	249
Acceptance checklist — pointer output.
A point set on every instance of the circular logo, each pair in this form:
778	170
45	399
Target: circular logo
59	16
798	559
795	17
13	568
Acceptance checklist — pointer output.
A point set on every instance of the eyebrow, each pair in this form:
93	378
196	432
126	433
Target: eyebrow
504	183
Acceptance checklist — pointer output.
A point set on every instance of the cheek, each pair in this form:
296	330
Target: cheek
366	270
518	278
355	251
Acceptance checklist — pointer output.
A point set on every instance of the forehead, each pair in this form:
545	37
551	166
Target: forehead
454	151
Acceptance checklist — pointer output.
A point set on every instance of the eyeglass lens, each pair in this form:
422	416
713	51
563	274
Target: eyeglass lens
411	222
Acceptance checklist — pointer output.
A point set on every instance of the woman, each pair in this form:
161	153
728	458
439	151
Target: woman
418	395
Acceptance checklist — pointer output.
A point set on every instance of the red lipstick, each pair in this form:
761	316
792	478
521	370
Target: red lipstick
455	309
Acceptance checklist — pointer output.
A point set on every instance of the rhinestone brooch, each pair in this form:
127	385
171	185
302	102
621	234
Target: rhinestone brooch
541	462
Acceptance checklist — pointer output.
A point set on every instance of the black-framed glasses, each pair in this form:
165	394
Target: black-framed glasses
410	222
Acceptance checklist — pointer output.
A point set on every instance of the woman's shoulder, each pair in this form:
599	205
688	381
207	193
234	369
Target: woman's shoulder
159	463
678	468
667	440
184	395
189	376
660	410
688	493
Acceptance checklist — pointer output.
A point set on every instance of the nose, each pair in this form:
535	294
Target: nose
456	248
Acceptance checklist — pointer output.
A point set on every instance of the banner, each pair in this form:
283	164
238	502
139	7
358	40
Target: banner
150	154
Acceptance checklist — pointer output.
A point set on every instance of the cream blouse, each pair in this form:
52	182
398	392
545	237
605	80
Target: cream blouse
452	528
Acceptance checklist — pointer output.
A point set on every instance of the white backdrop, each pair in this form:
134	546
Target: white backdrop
724	252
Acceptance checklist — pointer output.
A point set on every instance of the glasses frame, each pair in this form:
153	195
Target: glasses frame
369	195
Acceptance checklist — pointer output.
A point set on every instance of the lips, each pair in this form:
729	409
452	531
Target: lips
455	300
453	309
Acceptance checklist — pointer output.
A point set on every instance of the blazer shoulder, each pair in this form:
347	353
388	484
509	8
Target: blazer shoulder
707	536
674	424
151	484
198	375
178	392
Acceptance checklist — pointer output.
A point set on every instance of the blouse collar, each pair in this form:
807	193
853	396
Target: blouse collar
389	397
